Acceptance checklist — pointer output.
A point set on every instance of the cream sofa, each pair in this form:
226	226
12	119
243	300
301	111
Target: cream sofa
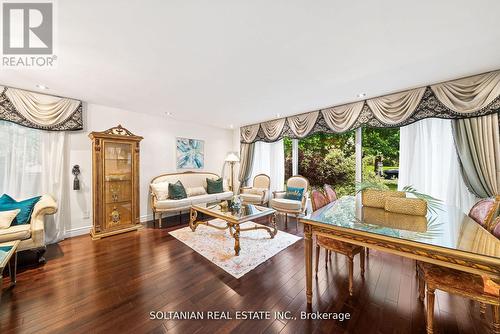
160	203
32	235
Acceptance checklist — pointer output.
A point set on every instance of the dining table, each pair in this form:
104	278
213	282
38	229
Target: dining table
446	236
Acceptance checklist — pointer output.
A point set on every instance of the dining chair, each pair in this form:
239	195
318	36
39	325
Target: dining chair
436	277
484	211
258	193
459	283
331	194
296	206
319	200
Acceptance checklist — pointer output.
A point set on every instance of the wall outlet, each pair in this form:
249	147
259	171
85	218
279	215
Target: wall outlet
86	214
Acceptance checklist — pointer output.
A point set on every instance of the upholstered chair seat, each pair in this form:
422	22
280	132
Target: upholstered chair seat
459	283
286	204
259	192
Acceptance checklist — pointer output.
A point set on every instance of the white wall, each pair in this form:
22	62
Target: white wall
157	155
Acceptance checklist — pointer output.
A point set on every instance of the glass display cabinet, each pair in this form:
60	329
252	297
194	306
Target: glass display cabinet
115	178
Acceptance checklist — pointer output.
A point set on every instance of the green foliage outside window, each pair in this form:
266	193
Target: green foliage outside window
330	159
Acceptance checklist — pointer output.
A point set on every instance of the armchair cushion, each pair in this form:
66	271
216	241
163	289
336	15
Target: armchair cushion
251	198
286	204
254	191
26	207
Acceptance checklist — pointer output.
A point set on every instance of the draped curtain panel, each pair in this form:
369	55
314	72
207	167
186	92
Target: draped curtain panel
474	96
33	164
477	141
40	111
430	168
269	159
246	163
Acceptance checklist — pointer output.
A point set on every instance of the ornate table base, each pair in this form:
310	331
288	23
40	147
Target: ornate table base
233	226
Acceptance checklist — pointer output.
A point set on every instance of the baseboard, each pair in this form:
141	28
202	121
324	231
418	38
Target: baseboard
77	231
86	229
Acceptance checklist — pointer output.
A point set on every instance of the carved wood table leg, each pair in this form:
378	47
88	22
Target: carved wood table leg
430	310
316	259
496	319
193	214
236	236
308	255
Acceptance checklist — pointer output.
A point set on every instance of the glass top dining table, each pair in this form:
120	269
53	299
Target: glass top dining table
447	227
445	236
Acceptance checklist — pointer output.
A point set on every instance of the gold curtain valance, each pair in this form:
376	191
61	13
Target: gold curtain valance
40	111
473	96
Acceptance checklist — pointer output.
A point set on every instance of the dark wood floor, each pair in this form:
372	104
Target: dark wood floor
111	285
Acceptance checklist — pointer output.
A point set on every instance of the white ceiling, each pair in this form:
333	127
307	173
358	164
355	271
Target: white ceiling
239	62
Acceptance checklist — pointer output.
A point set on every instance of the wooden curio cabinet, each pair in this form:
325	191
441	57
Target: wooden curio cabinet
115	179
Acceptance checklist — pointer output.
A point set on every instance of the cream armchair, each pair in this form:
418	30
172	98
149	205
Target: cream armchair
259	192
32	235
290	206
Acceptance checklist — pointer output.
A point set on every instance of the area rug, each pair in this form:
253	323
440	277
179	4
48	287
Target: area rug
217	246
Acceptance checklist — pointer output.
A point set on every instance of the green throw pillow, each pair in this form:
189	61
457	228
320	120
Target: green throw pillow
176	190
7	203
214	186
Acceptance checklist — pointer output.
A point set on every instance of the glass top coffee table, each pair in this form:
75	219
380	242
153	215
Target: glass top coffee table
8	258
233	219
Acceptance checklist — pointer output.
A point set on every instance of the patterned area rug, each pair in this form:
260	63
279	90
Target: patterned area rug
218	246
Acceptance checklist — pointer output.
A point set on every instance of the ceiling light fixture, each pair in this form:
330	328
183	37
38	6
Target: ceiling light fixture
168	113
361	95
39	86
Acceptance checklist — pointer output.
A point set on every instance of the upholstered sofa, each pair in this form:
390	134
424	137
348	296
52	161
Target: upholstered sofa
32	235
160	203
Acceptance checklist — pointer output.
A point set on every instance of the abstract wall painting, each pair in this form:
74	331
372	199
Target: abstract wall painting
190	153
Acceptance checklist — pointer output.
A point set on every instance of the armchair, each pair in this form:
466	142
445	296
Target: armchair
259	192
281	204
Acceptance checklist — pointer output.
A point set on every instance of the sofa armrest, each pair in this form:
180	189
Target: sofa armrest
45	206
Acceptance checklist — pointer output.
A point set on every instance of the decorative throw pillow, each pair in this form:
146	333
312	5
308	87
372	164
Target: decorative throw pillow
24	216
176	190
195	191
160	189
294	193
6	217
214	186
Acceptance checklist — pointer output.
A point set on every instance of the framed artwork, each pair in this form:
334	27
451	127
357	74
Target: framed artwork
190	153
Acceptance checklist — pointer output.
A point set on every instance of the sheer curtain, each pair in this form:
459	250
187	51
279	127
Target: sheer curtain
269	158
428	161
32	163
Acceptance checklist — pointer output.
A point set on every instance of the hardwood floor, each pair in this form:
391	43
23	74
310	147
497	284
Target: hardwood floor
111	286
